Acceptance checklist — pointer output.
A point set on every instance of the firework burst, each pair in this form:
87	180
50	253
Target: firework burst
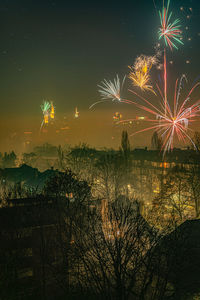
110	90
141	79
171	122
45	106
174	122
140	72
169	31
144	62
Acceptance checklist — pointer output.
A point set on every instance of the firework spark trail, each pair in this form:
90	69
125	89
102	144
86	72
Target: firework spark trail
189	94
154	5
95	103
110	90
41	125
183	77
148	102
165	80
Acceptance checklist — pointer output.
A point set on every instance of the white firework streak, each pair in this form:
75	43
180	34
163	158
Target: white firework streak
110	90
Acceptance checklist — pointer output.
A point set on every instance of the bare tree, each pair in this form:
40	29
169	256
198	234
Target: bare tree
115	252
61	158
125	144
110	175
81	160
156	141
71	202
194	188
196	140
29	159
174	199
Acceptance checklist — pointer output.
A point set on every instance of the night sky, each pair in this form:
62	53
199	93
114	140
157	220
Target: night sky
61	50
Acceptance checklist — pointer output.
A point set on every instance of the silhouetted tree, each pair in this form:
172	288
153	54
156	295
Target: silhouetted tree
46	150
68	186
115	253
196	140
156	141
9	160
125	144
126	154
81	160
174	199
71	199
110	175
61	158
194	187
29	159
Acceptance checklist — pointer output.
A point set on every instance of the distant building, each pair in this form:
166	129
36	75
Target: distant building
52	112
76	115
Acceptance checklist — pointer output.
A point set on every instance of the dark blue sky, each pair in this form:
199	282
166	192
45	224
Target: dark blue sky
62	49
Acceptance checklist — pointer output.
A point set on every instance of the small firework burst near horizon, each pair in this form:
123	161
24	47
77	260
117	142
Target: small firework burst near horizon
45	107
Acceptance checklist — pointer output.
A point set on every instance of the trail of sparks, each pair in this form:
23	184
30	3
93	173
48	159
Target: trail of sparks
110	90
165	80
